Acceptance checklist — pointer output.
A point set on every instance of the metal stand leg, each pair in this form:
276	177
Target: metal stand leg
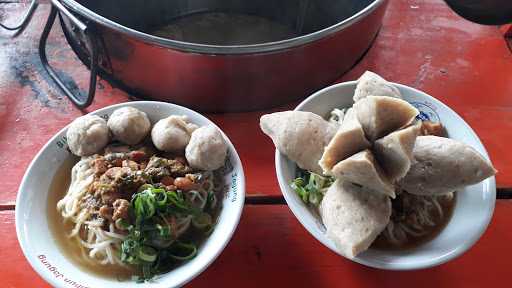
24	22
79	100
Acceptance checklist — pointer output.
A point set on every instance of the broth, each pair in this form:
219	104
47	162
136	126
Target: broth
72	250
60	229
224	29
382	243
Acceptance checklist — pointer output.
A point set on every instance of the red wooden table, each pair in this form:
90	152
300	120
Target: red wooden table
422	44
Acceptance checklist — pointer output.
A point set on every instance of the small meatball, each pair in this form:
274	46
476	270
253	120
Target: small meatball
129	125
121	209
207	149
87	135
172	133
106	212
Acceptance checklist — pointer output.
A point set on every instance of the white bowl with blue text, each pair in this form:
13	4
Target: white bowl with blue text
474	205
37	241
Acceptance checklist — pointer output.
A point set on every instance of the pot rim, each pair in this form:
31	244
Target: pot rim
220	49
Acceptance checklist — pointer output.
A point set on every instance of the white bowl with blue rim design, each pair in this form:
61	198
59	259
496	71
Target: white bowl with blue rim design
38	242
474	205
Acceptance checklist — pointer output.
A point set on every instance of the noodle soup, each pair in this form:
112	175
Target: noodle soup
415	220
352	217
100	243
60	228
43	234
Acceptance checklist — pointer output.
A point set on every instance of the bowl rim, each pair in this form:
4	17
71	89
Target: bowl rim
184	46
280	159
226	239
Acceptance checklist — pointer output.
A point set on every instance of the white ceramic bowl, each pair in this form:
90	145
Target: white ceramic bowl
473	208
37	241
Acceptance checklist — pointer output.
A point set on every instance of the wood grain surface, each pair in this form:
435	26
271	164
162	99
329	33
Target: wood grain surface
271	249
421	44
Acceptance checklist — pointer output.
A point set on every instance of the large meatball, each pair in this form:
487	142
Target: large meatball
87	135
207	149
172	134
129	125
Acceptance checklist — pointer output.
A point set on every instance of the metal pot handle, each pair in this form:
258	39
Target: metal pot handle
79	100
25	20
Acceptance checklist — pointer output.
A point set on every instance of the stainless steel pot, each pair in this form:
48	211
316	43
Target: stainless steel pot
331	35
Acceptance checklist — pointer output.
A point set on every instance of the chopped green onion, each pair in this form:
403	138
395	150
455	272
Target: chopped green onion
161	198
147	254
177	201
182	251
315	198
144	187
211	200
150	243
146	273
312	192
121	224
164	231
209	230
145	205
202	220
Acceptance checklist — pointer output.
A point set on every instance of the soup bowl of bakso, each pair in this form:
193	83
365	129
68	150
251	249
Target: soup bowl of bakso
140	192
383	174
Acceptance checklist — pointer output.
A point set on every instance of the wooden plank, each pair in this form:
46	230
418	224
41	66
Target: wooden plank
421	44
16	271
271	248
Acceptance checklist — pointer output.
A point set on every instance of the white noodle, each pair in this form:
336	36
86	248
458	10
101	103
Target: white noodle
198	197
337	116
102	245
427	213
182	225
97	245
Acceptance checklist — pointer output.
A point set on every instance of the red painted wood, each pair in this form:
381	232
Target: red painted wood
271	249
422	44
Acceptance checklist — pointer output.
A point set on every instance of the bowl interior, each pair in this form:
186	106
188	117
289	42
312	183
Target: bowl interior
37	241
292	17
473	208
